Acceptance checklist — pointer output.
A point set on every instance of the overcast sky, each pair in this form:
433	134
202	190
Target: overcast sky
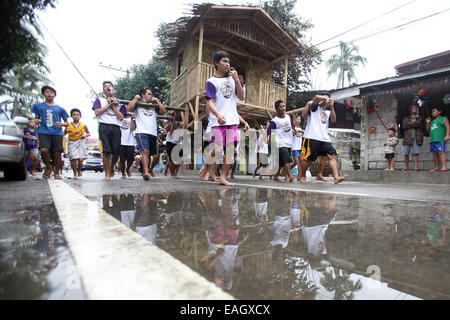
121	33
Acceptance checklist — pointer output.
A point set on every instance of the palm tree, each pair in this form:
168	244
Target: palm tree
22	84
344	62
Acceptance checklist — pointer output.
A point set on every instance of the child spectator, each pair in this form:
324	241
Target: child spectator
390	144
76	148
30	138
439	129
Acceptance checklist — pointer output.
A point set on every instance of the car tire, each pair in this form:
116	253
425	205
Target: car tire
15	172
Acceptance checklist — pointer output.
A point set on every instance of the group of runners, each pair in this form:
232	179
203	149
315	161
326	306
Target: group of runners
118	121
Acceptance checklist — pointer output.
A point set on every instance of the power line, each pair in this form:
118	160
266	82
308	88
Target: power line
67	56
385	30
363	24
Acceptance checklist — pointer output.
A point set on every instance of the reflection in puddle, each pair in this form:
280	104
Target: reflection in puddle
35	262
258	243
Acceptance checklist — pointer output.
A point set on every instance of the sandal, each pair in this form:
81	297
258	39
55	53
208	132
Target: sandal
47	173
434	170
444	170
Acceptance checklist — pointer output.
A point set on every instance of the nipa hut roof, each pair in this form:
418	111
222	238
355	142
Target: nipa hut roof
248	29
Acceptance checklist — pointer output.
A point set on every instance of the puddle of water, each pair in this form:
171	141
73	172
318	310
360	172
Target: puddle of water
275	244
35	262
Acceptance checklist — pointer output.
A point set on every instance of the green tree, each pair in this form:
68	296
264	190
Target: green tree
23	84
299	68
154	75
345	62
19	33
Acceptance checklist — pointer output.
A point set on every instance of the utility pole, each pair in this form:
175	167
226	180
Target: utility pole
116	69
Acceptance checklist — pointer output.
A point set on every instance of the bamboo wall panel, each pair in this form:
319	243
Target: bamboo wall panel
271	92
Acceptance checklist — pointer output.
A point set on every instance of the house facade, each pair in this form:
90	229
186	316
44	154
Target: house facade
384	103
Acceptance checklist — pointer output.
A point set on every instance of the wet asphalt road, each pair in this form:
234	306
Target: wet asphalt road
377	198
19	195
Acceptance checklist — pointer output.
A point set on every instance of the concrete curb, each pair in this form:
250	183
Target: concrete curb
116	263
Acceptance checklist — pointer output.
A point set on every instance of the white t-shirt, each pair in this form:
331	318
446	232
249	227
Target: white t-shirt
127	217
317	125
297	139
283	134
146	120
282	230
243	88
127	134
315	239
148	233
223	91
223	268
170	139
262	146
108	117
261	211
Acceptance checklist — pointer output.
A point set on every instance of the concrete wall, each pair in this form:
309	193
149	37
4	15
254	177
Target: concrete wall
343	140
372	145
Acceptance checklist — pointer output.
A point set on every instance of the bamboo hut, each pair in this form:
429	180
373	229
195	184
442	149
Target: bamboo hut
259	46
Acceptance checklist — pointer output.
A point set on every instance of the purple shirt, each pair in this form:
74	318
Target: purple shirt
30	144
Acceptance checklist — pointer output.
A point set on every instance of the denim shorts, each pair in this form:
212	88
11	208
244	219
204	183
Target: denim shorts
146	142
296	153
415	148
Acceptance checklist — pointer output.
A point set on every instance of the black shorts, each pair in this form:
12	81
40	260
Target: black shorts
126	153
110	136
312	149
284	155
52	142
169	147
389	155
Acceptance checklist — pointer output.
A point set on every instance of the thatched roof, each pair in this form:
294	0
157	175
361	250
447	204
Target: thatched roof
250	30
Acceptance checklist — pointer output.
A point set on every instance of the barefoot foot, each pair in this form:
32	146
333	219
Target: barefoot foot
339	179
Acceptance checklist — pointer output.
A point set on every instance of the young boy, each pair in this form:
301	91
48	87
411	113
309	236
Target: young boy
262	149
76	148
297	144
127	144
30	138
50	134
390	144
316	141
109	115
223	90
171	143
283	125
146	128
439	129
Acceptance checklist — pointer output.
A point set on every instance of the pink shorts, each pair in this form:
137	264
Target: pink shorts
224	135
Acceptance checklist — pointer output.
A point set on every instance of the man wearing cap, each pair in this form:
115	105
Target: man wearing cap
50	133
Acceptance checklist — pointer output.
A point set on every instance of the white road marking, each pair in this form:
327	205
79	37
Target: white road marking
116	263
